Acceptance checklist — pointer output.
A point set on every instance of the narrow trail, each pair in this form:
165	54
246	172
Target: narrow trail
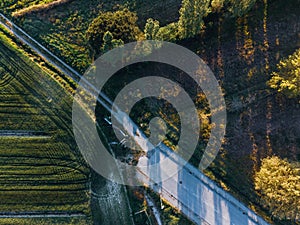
23	133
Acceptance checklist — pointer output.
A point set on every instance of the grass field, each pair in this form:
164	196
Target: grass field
40	172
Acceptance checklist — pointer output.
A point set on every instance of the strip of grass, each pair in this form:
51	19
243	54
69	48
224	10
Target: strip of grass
12	6
39	7
44	221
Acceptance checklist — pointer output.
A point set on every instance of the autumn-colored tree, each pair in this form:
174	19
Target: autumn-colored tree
278	184
287	77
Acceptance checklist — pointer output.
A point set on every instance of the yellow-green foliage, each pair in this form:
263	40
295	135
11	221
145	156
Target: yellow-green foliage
278	184
287	77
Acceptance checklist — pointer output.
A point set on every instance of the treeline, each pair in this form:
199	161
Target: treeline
122	26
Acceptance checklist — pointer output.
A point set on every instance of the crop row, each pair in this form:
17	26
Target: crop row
44	221
40	167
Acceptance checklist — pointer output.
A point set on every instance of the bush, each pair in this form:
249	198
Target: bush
153	31
287	77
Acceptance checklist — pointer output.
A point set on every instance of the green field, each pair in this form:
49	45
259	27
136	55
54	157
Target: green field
40	168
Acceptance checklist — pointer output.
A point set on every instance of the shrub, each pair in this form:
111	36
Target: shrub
287	77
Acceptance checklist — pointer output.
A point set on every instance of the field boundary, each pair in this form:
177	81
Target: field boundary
40	215
39	7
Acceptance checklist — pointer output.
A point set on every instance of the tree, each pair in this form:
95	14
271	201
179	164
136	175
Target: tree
287	77
121	24
278	184
109	42
238	8
151	29
217	5
191	17
168	32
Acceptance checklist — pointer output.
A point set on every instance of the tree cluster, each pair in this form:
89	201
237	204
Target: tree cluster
120	24
278	184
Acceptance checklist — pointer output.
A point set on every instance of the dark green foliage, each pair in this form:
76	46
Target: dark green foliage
109	42
238	8
191	17
121	24
235	8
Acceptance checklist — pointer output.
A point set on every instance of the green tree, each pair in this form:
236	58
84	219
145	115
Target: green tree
151	29
239	7
109	42
121	24
287	77
278	184
191	17
168	32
